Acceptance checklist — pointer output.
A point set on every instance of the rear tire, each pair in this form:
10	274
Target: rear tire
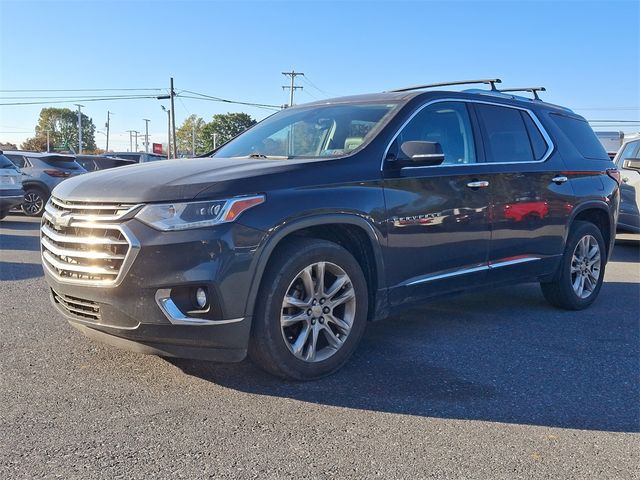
34	202
578	282
311	310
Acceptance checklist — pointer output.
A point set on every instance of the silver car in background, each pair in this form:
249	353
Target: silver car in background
11	192
628	162
41	173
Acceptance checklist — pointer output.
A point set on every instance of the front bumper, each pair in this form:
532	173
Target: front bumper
10	199
146	311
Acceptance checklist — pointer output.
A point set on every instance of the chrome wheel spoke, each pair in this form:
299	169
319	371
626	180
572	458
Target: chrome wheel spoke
585	266
319	283
311	350
307	280
345	297
332	338
336	286
298	345
288	320
294	302
338	322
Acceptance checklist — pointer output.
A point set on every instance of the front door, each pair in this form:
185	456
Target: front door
438	224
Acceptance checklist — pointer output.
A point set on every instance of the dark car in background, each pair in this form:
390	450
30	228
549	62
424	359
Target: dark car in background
628	162
41	173
92	163
11	192
327	215
138	157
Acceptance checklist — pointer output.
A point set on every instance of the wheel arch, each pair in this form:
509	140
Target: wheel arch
598	213
333	227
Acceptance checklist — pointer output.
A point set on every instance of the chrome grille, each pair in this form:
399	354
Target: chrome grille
85	243
77	307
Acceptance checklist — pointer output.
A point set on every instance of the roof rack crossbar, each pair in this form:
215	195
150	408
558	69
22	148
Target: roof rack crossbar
533	90
491	82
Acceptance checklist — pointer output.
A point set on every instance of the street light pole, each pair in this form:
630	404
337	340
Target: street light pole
79	127
173	121
136	137
130	140
107	125
146	134
168	131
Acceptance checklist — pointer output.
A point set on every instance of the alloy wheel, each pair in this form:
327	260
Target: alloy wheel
318	310
586	264
33	203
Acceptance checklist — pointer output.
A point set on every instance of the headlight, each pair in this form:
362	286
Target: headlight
182	216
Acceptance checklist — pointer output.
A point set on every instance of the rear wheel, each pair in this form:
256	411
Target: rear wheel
34	201
311	310
581	274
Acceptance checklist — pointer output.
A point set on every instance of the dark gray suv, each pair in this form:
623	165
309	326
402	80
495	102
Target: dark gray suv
324	216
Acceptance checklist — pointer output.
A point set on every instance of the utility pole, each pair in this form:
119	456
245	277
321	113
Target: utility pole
79	127
136	137
48	148
215	140
172	94
146	134
293	87
130	140
193	139
107	125
168	131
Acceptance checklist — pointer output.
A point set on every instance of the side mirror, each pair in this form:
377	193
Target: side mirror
632	164
418	153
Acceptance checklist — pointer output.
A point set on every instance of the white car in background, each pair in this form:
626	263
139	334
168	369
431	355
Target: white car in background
11	192
628	162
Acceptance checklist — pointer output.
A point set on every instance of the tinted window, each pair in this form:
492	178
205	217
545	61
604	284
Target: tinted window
88	164
61	162
18	160
130	157
538	143
580	134
446	123
154	158
6	163
506	137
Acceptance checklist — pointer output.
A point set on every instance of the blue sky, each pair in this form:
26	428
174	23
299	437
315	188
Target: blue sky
585	53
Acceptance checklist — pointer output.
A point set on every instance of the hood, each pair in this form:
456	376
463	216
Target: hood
166	180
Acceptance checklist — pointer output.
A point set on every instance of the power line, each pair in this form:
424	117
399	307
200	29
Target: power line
306	80
101	99
84	90
202	96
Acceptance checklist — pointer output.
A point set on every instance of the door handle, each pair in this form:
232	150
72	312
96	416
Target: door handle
559	179
478	184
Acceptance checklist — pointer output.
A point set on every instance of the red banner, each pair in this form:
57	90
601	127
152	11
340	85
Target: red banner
157	148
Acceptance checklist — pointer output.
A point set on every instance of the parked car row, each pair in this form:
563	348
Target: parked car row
28	178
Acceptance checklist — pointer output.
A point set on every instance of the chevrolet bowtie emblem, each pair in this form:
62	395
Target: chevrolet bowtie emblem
61	220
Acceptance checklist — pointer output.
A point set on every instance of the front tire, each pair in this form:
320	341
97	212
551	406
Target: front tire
578	282
34	202
311	310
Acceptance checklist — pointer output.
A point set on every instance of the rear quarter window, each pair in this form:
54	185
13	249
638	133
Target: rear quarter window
6	163
581	136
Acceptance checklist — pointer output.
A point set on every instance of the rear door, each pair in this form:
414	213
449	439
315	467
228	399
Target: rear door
438	226
531	198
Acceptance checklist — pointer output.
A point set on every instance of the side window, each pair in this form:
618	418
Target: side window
505	134
18	160
630	151
579	133
538	143
446	123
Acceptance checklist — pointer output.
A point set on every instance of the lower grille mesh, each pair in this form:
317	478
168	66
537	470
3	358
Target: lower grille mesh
77	307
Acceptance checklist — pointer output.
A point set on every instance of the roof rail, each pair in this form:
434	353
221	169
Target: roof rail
491	82
533	90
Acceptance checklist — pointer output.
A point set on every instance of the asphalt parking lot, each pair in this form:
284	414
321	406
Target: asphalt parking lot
489	385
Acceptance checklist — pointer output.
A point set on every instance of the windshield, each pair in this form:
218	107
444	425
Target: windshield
317	131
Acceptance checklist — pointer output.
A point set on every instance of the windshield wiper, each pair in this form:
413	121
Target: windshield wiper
268	157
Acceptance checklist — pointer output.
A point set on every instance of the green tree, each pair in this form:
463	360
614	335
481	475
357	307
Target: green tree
225	127
62	125
184	134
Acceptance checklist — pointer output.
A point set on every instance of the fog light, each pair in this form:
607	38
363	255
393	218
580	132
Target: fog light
201	297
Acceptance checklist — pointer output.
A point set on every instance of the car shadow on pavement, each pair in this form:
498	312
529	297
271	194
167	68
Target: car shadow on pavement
626	251
25	223
20	271
19	242
503	356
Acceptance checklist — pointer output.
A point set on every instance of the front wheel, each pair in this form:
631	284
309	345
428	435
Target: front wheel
311	310
34	201
581	274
